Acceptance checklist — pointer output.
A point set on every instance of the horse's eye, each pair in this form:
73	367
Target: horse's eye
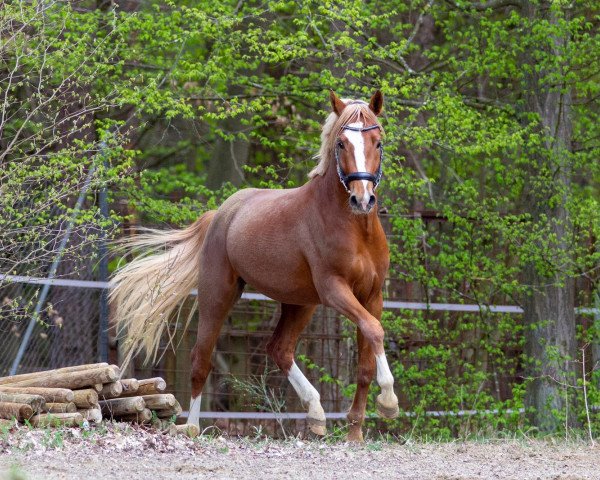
341	144
378	144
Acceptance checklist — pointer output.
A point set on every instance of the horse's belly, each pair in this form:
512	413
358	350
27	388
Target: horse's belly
279	280
300	296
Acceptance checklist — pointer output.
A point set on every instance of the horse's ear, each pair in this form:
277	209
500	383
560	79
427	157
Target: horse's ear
376	104
336	104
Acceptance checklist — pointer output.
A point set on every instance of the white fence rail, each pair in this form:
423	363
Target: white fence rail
387	304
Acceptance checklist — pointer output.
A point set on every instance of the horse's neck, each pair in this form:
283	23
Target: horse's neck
333	200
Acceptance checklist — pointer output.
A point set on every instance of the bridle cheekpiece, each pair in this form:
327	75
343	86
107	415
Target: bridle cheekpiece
346	179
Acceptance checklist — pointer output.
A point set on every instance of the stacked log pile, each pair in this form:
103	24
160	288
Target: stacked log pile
87	393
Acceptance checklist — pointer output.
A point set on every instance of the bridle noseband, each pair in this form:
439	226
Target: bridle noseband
346	179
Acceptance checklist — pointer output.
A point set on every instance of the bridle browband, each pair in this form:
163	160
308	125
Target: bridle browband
346	179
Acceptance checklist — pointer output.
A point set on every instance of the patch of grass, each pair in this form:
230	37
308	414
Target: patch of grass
4	432
335	435
102	428
375	446
15	472
53	438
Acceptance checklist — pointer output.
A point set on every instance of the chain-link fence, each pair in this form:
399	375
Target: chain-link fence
243	379
66	331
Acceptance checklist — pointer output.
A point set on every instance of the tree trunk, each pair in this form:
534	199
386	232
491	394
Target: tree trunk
228	157
551	346
549	309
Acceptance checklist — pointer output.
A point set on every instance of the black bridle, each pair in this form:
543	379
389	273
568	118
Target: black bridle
346	179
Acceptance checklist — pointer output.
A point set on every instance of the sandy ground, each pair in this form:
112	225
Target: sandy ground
137	454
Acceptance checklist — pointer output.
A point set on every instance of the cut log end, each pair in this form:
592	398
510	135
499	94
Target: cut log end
111	390
86	398
130	386
91	414
175	410
118	407
17	411
145	416
160	401
36	402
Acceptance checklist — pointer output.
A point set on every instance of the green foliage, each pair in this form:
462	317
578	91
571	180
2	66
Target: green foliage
56	145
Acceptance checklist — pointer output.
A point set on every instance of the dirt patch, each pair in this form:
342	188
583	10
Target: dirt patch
126	452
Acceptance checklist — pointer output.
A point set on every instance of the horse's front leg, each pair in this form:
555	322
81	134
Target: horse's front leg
337	294
365	374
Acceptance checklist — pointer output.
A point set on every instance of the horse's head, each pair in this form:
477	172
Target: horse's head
357	148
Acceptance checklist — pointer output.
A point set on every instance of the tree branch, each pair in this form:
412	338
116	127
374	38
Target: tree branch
490	5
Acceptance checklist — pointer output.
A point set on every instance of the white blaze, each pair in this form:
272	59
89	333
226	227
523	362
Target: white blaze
358	142
194	415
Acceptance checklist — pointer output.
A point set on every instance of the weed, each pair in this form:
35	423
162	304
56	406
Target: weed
4	432
101	428
336	435
262	396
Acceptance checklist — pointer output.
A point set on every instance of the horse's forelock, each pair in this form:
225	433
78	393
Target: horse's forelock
355	111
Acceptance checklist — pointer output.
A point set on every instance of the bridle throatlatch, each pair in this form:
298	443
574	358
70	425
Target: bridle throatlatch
346	179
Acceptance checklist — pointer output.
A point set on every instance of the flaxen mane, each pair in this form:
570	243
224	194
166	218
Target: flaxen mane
355	111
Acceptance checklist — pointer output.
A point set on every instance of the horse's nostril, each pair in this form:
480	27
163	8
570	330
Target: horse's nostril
372	200
353	200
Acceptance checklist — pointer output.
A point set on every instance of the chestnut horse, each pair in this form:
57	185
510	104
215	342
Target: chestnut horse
321	243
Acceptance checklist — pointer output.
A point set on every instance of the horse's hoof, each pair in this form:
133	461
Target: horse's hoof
386	411
316	426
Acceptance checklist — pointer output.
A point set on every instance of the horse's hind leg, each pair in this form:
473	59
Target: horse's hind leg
219	288
281	347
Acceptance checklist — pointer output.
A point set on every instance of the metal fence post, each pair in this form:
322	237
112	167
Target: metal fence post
103	275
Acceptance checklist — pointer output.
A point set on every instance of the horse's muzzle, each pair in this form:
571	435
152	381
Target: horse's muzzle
362	205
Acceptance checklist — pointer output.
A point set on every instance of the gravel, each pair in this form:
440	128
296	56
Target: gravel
116	451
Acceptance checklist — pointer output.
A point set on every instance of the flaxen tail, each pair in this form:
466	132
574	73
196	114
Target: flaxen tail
147	291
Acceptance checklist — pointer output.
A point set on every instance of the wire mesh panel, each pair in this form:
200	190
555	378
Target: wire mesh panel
65	332
245	379
51	229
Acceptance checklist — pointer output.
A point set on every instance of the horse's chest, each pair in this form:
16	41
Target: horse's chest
365	270
363	264
365	273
